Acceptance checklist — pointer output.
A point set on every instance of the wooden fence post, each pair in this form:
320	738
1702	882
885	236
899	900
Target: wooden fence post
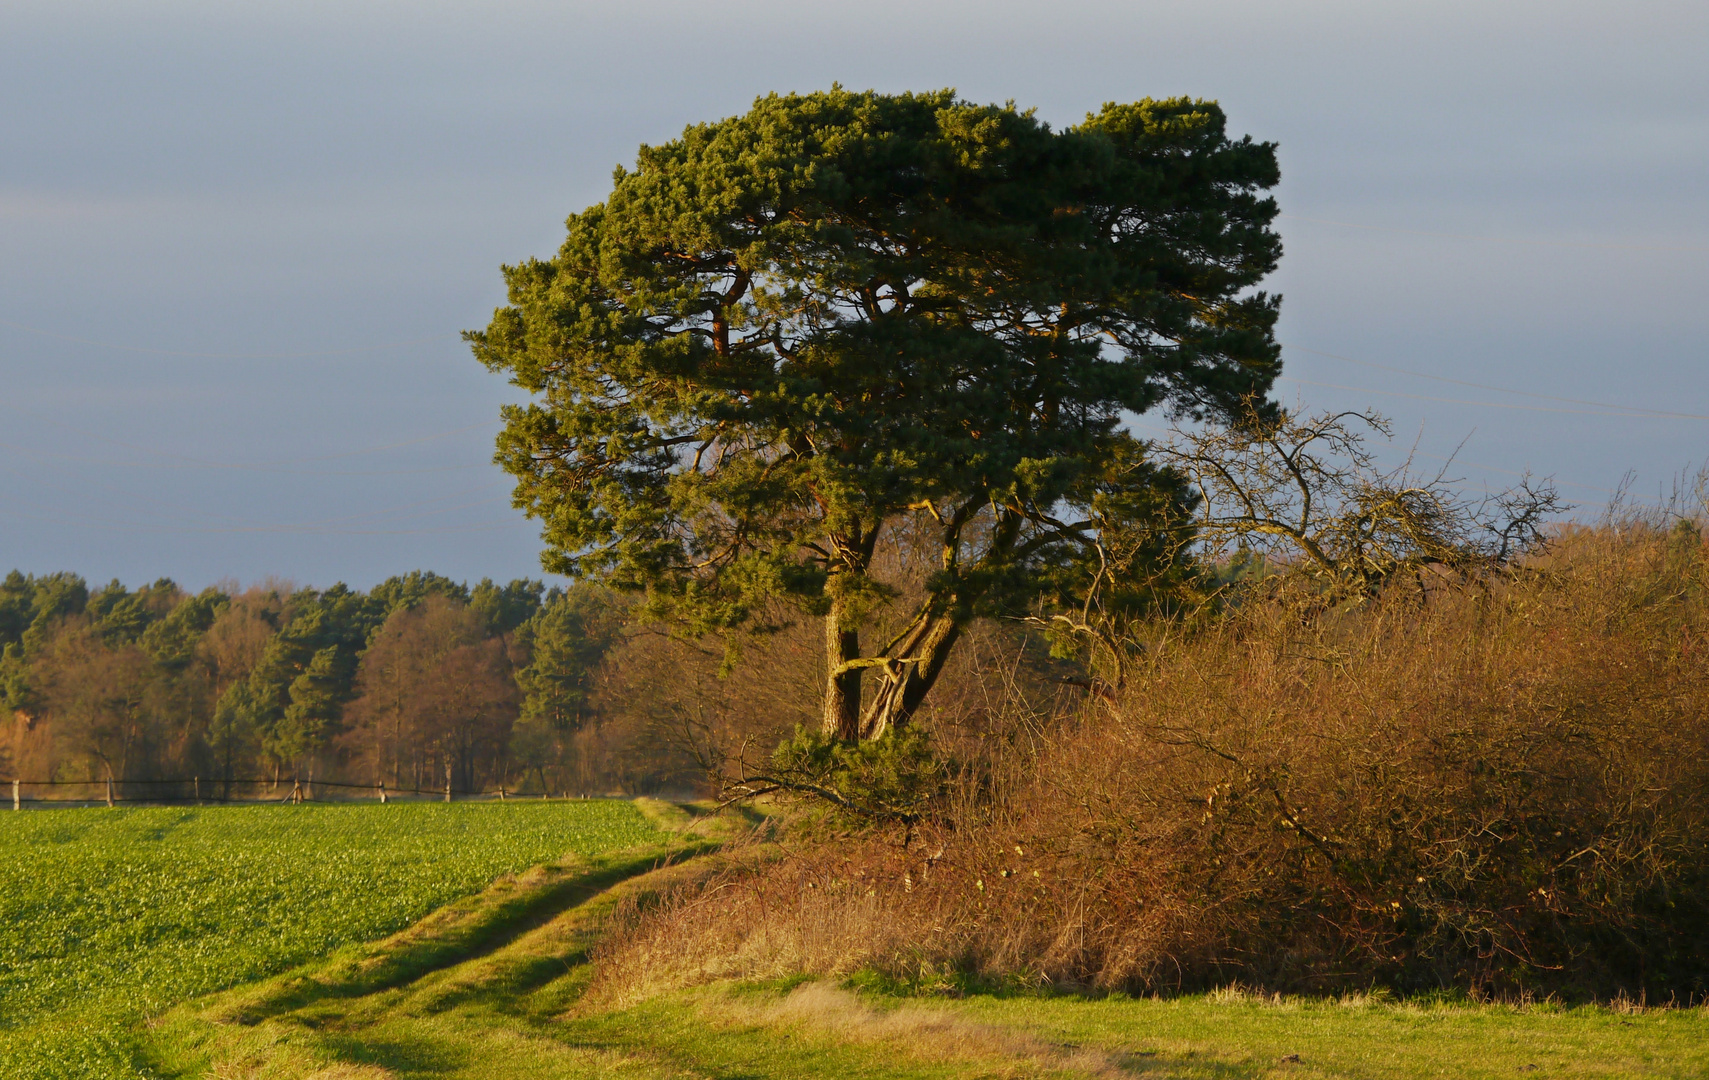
382	793
198	782
501	793
16	802
109	791
447	791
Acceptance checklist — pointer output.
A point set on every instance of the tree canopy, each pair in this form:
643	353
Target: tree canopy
419	679
786	332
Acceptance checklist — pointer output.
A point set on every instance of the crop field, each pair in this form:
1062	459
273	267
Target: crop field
107	916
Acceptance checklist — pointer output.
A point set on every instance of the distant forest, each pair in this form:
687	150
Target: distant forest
421	682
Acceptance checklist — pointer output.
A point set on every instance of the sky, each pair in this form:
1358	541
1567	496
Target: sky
238	242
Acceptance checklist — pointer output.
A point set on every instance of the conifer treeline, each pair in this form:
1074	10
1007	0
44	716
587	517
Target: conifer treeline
419	682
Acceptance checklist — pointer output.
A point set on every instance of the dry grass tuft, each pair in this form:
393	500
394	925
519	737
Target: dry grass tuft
1236	993
747	922
921	1033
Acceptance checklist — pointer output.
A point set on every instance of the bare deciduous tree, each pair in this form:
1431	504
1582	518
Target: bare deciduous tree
1309	491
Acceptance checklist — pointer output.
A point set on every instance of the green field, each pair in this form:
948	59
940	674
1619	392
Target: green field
256	944
108	916
481	991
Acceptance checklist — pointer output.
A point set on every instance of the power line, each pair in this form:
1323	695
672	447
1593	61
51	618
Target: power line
407	510
1501	389
1589	244
421	508
221	356
261	466
294	530
267	465
1511	472
119	463
1486	404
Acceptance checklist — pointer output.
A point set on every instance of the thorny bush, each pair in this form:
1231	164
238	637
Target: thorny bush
1495	783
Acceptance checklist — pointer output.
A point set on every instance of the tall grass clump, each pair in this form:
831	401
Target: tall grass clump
1491	781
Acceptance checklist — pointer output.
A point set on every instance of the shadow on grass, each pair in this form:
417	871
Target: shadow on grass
459	933
399	1054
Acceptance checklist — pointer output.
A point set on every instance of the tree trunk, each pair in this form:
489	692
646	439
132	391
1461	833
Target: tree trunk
906	681
933	653
919	659
842	691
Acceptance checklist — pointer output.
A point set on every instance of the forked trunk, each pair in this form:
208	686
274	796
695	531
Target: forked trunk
842	690
906	682
910	666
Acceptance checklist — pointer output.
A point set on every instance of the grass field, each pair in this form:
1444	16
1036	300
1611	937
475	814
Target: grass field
111	915
490	990
125	913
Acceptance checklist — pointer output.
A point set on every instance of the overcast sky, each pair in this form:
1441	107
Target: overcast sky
237	242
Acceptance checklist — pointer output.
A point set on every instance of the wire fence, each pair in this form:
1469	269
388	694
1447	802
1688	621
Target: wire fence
198	790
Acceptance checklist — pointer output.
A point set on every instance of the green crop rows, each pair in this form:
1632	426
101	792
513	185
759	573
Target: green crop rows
109	915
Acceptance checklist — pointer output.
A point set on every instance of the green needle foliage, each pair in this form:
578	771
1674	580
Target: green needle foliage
786	332
314	708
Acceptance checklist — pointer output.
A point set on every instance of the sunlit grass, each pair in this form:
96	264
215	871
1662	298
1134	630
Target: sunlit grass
110	915
421	1006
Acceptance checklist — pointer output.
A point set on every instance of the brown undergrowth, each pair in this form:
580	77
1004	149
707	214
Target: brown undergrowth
1495	785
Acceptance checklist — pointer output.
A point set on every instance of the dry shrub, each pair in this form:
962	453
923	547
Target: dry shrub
1498	785
666	708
